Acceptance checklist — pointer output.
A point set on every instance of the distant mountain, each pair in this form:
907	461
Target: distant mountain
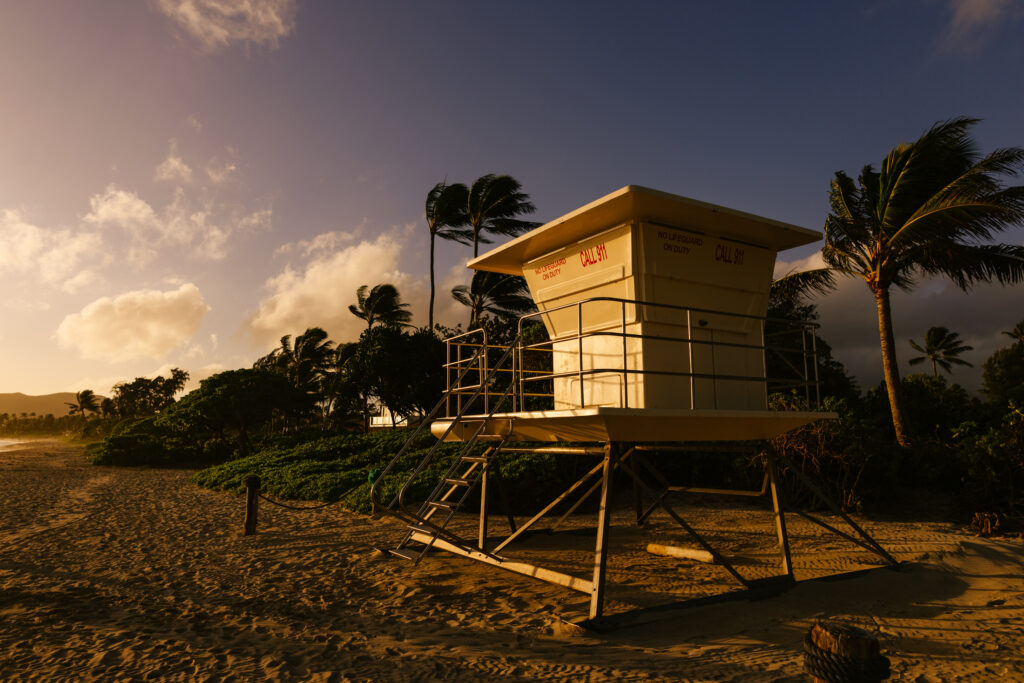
19	403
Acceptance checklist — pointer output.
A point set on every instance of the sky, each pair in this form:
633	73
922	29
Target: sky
182	182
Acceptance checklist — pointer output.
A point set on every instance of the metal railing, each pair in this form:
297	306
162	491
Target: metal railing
792	345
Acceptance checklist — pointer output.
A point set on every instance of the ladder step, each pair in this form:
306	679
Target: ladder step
458	482
473	458
405	553
443	504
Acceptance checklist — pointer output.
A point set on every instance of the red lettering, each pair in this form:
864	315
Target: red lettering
593	255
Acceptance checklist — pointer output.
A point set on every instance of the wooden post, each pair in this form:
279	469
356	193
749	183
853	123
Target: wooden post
856	654
252	503
611	453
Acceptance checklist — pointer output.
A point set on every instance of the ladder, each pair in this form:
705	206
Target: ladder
429	521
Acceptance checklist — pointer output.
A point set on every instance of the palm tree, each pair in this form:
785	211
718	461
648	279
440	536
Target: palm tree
1017	333
497	293
446	218
495	202
941	347
85	400
304	361
382	304
930	210
108	408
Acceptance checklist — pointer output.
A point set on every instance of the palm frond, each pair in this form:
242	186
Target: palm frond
794	286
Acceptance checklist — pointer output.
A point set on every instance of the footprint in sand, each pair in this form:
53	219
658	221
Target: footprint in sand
72	506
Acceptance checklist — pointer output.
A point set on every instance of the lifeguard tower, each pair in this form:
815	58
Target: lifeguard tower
654	310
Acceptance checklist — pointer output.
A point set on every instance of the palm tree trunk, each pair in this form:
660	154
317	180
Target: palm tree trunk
430	312
935	370
890	368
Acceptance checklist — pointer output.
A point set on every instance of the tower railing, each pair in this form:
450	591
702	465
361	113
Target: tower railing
787	348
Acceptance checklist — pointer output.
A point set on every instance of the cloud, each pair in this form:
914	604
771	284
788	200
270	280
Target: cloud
322	243
849	322
54	255
174	168
972	22
217	24
140	324
221	172
203	228
319	291
123	209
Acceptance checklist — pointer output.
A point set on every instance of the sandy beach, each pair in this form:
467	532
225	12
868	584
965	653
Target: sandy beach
138	575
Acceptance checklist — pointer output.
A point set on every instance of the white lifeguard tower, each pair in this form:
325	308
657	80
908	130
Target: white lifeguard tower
654	307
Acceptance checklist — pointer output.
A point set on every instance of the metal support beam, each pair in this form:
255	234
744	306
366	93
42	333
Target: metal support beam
780	515
482	529
540	515
611	455
805	480
689	529
593	487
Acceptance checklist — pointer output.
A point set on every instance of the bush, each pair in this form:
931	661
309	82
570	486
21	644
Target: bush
848	457
994	462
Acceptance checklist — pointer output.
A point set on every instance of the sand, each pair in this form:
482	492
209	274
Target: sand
112	574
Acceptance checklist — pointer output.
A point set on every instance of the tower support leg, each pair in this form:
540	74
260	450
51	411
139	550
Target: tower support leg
611	455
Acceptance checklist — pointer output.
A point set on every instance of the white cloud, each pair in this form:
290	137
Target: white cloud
220	172
122	209
318	292
55	255
216	24
173	168
973	21
202	228
196	125
140	324
20	241
322	243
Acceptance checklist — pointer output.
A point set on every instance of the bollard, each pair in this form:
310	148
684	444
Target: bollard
252	503
836	652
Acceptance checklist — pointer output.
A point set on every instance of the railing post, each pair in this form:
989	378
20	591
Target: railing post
252	503
814	359
764	360
579	347
625	374
689	346
807	375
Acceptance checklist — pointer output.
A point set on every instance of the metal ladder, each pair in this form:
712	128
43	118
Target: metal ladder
464	474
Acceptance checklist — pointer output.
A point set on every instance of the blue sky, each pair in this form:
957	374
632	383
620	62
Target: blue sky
184	181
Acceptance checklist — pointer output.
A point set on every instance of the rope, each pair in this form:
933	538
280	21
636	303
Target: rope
296	507
835	668
310	507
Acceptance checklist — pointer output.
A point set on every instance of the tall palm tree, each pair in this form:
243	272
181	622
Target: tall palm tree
1017	333
942	348
496	293
85	401
446	218
932	209
494	206
382	304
